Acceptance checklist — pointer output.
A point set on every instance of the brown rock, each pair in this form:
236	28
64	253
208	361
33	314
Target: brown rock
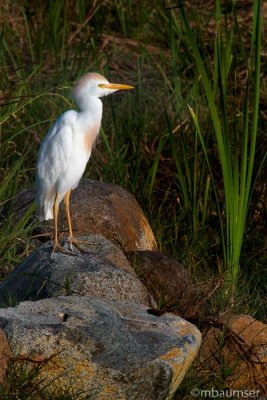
5	354
167	280
240	343
105	209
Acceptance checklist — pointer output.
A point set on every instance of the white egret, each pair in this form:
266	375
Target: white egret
66	149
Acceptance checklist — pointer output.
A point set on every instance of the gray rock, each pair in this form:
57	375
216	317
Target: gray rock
104	272
87	320
114	347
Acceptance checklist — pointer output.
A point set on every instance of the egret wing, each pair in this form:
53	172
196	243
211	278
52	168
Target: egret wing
53	159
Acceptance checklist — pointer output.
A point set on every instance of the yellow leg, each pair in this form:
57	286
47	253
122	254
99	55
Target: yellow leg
67	209
72	240
55	215
57	247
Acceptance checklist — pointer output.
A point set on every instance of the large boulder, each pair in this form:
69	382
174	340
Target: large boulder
100	208
86	318
114	348
103	272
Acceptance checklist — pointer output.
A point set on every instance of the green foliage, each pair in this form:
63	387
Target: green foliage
236	168
192	169
24	380
189	142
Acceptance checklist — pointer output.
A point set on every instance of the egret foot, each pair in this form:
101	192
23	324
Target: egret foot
59	249
78	244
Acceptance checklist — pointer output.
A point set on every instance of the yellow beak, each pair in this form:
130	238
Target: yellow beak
116	86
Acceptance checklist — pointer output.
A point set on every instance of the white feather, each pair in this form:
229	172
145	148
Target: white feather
66	148
63	155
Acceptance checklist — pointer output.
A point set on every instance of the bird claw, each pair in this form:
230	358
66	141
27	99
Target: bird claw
59	249
78	243
71	252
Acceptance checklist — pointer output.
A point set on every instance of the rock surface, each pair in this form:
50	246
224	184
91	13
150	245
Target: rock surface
105	209
166	279
5	354
103	272
87	322
244	351
113	347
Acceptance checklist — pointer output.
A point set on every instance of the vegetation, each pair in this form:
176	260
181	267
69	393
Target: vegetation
189	142
24	381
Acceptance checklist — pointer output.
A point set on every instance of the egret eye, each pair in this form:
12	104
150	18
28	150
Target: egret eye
101	85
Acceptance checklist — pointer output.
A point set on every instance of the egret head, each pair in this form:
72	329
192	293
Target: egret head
94	85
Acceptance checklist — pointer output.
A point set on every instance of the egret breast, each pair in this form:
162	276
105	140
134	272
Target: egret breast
90	138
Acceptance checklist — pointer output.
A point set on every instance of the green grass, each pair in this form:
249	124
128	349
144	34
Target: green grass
189	142
23	381
236	168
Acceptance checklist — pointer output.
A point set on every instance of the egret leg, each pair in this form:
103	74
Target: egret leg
57	247
72	240
67	209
